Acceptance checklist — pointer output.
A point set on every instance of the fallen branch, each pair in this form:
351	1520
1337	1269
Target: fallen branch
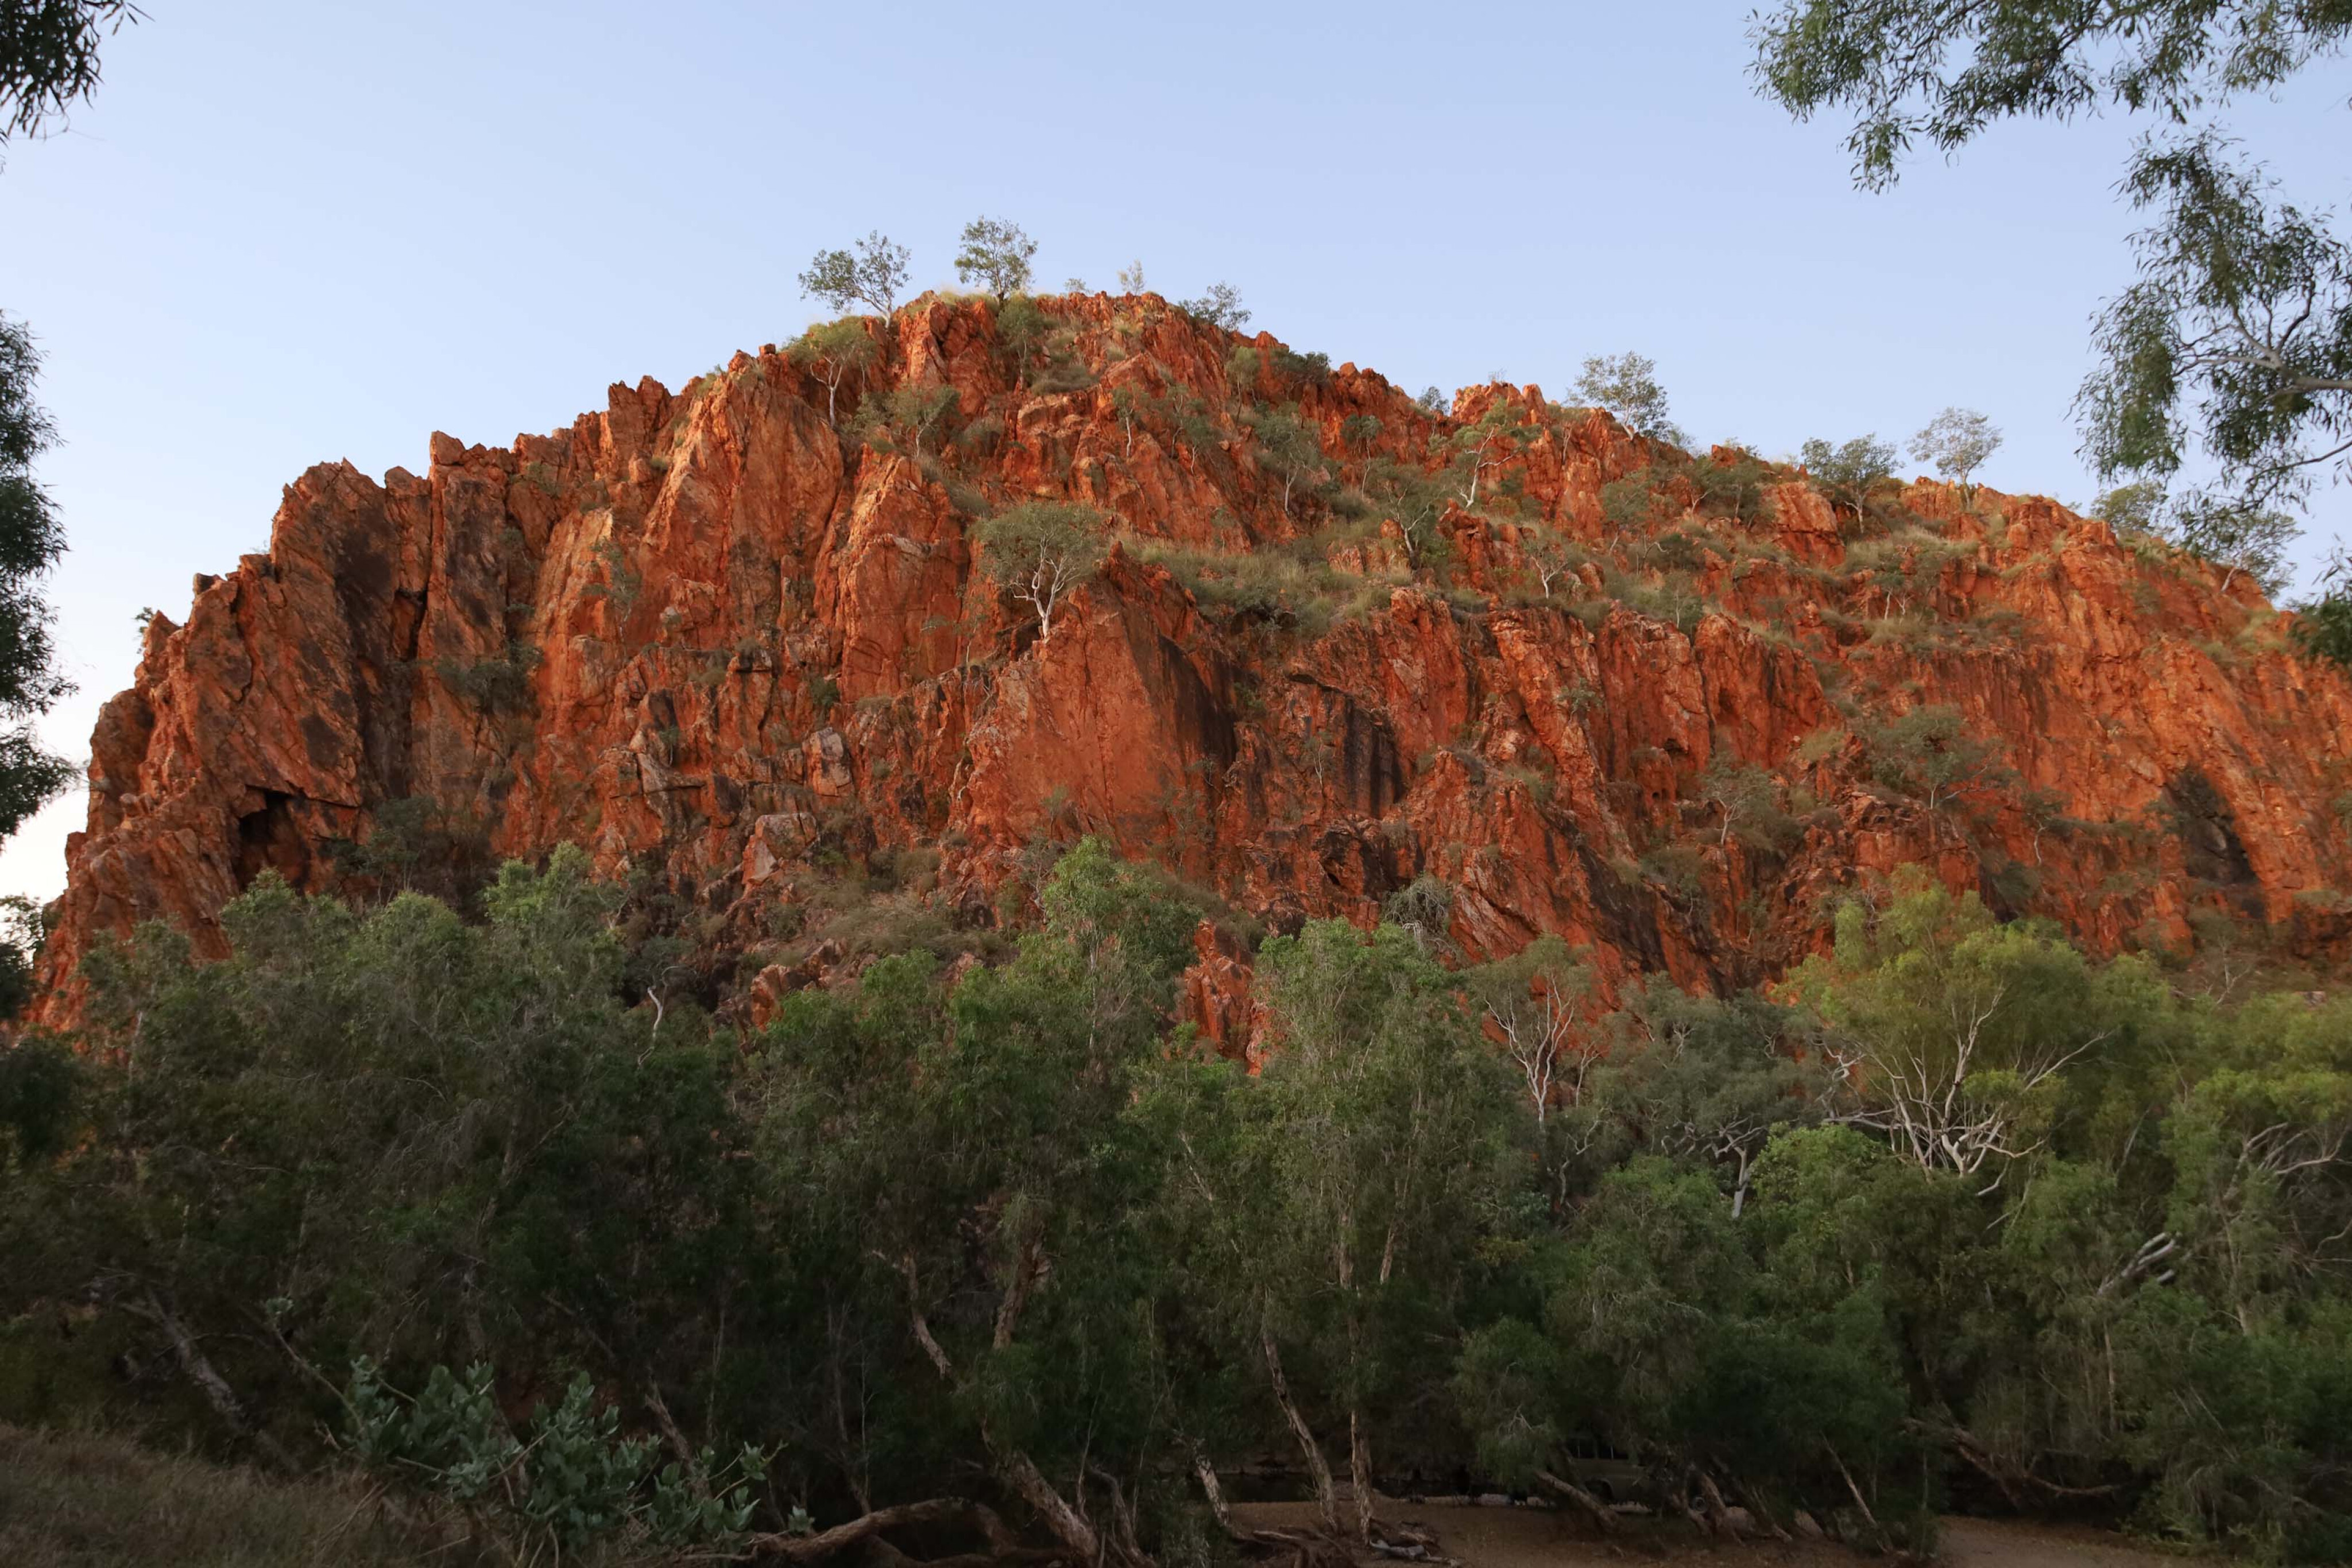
1002	1547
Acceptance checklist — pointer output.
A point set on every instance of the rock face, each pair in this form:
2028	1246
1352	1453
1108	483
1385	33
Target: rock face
742	655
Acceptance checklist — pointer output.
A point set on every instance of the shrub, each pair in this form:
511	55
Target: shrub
499	683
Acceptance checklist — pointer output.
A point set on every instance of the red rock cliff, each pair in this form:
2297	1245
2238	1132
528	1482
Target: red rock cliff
733	650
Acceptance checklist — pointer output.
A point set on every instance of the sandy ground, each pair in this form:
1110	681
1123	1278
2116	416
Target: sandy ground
1543	1538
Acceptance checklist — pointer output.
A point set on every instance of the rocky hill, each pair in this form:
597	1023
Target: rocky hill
1545	675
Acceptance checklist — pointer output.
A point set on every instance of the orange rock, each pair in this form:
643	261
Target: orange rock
705	633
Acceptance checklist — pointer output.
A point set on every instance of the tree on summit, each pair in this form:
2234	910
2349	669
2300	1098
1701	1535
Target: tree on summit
871	272
1220	307
1958	442
1849	474
1626	386
995	256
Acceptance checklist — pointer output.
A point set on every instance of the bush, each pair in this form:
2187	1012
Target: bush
498	684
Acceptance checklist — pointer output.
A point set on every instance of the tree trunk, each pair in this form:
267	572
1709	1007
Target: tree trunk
938	1510
1359	1473
1326	1494
1069	1526
1213	1490
1593	1506
1718	1514
1020	1472
201	1371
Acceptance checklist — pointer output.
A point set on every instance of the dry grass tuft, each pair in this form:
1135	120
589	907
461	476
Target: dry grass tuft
86	1500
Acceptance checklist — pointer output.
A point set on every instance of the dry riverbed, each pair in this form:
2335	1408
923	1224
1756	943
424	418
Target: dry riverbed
1544	1538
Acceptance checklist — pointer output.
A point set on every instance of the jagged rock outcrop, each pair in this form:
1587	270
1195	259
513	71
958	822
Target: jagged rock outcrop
742	654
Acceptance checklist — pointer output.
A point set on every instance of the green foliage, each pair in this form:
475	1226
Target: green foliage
870	273
1957	440
1552	556
1955	1029
568	1482
1486	442
1311	370
1849	475
1930	755
1291	447
1041	551
1023	325
908	419
1417	501
1220	307
2131	509
997	257
22	935
409	1133
1746	801
1733	487
497	684
48	58
413	845
32	540
2234	334
1375	1142
2237	334
2235	536
1016	1085
1913	71
1626	387
1958	1200
38	1078
2323	626
833	352
1640	501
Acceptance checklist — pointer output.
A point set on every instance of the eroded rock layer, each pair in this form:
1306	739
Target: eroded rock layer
734	648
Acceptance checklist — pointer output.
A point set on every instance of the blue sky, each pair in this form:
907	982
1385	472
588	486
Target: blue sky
287	234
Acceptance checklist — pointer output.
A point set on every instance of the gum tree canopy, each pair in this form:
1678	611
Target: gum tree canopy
2233	344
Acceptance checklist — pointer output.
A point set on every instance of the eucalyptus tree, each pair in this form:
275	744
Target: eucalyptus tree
32	540
2234	342
50	57
1041	551
1958	442
871	272
996	256
1626	386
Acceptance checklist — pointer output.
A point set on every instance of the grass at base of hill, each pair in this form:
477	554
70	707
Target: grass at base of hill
91	1501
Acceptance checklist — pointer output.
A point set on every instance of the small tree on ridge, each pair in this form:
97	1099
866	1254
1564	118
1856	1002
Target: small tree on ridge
1957	440
873	275
995	256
